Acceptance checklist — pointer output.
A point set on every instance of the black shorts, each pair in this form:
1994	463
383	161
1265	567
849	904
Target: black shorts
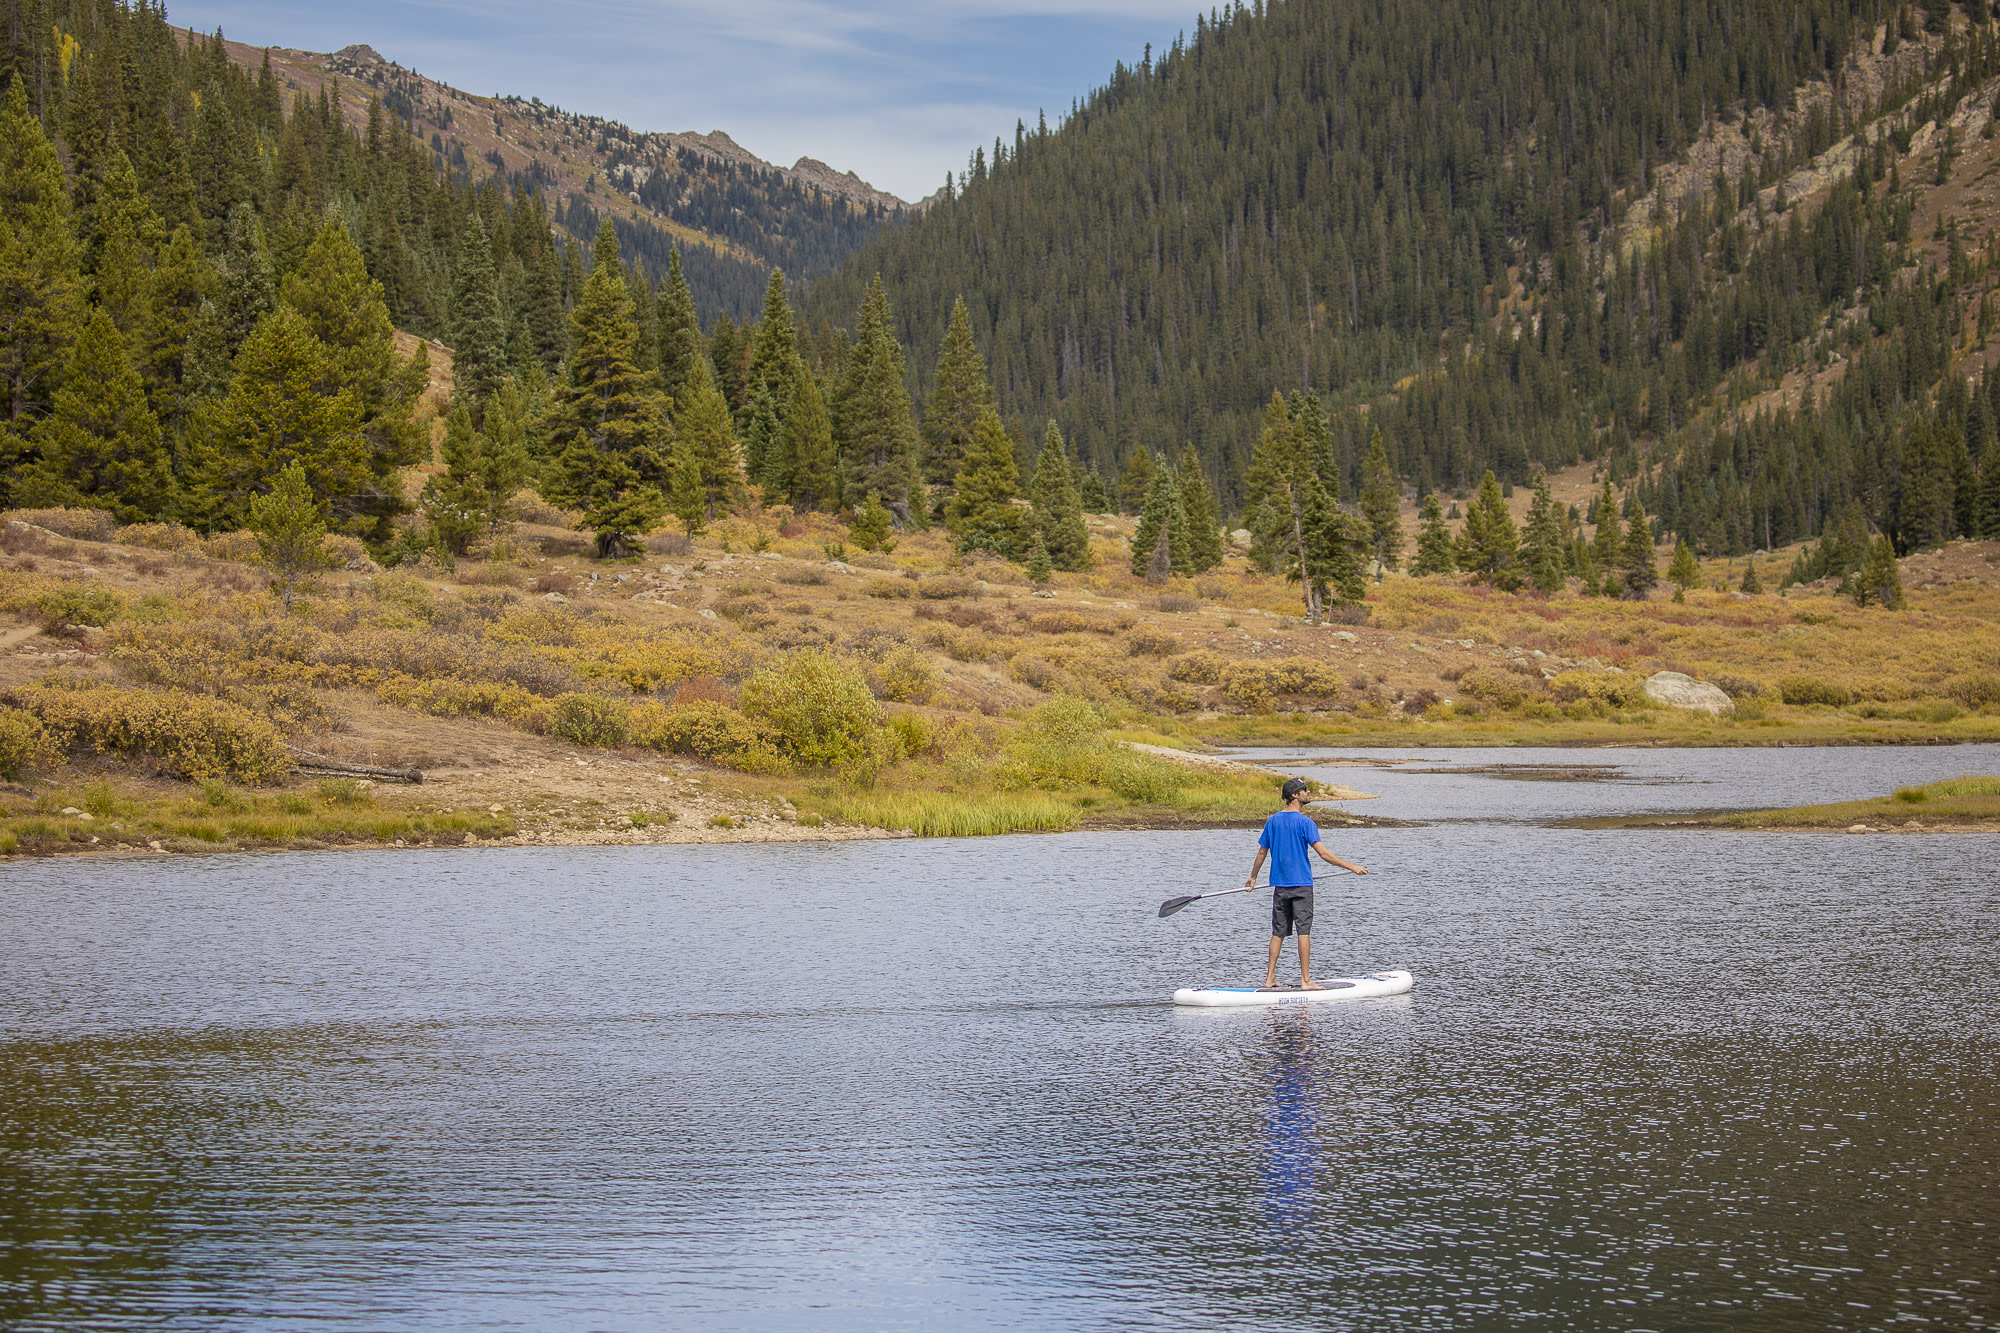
1292	909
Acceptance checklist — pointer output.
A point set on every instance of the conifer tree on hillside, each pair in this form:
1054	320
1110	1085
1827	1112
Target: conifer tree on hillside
1096	500
1881	582
1544	539
1489	543
176	291
1039	570
1683	571
1280	483
681	341
291	531
873	428
451	502
246	289
774	356
1381	504
1751	584
687	496
763	458
285	404
1160	543
981	513
1137	481
608	430
1639	567
807	442
343	308
1058	507
1204	519
1608	547
870	529
701	417
1436	551
961	393
119	256
40	285
728	358
101	447
645	308
1337	544
479	354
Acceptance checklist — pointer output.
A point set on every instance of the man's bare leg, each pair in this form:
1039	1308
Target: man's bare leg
1271	968
1305	964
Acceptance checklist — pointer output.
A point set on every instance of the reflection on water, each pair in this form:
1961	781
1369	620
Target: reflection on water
1291	1135
1647	1079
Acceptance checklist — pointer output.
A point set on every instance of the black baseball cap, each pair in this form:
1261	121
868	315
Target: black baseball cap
1293	787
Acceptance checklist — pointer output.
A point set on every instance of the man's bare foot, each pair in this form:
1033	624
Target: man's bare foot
1309	984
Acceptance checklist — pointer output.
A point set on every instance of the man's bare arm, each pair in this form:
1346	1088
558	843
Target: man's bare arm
1256	866
1331	859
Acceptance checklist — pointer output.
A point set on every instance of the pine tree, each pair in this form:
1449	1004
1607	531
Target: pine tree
1488	544
1751	585
1337	545
125	237
688	496
1204	520
1381	504
284	405
40	286
101	447
681	343
702	417
1682	571
1638	563
451	502
1040	571
982	513
1162	525
291	532
1137	482
178	288
245	290
1881	582
344	309
506	465
807	444
1058	508
873	425
1608	548
479	347
1096	500
1544	540
774	357
763	444
608	430
961	394
870	529
1436	552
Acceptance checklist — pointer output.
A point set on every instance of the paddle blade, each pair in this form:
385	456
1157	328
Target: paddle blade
1172	905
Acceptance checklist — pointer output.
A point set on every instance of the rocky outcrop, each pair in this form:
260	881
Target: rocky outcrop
1679	691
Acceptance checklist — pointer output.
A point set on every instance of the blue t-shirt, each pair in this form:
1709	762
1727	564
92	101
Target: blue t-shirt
1287	834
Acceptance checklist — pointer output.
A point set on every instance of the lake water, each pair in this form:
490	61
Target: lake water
1651	1079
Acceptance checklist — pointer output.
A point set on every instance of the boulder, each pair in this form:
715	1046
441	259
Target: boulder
1679	691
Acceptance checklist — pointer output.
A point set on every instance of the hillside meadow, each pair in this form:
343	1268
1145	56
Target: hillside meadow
747	685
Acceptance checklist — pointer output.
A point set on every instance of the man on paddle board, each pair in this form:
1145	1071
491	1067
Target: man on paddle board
1285	839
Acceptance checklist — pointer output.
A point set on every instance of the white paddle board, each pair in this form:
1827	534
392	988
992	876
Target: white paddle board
1394	982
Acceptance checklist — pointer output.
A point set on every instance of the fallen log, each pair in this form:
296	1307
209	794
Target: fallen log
318	765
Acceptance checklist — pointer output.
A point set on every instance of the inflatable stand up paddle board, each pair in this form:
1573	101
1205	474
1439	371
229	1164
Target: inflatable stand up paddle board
1375	984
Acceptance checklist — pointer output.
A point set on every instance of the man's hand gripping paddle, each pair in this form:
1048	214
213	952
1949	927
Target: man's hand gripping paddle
1172	905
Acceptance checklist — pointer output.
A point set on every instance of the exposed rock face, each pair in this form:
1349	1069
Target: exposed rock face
1678	691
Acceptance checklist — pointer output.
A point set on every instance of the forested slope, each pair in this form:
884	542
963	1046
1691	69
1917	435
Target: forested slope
1421	213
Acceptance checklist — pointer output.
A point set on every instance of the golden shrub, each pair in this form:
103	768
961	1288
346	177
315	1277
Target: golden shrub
240	547
84	525
200	737
176	538
24	743
963	645
458	698
938	587
1255	685
887	588
1501	689
817	706
1147	642
1200	667
908	676
1615	689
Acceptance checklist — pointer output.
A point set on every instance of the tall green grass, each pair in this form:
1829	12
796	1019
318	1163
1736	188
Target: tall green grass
935	814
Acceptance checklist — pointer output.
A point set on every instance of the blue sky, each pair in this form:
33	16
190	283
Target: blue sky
897	90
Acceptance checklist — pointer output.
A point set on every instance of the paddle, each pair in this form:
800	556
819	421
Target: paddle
1172	905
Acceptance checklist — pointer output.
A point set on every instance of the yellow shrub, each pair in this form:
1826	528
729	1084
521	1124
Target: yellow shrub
817	706
1616	689
909	677
174	537
89	525
1502	689
458	698
24	743
237	546
198	736
1254	685
705	730
888	588
1200	667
